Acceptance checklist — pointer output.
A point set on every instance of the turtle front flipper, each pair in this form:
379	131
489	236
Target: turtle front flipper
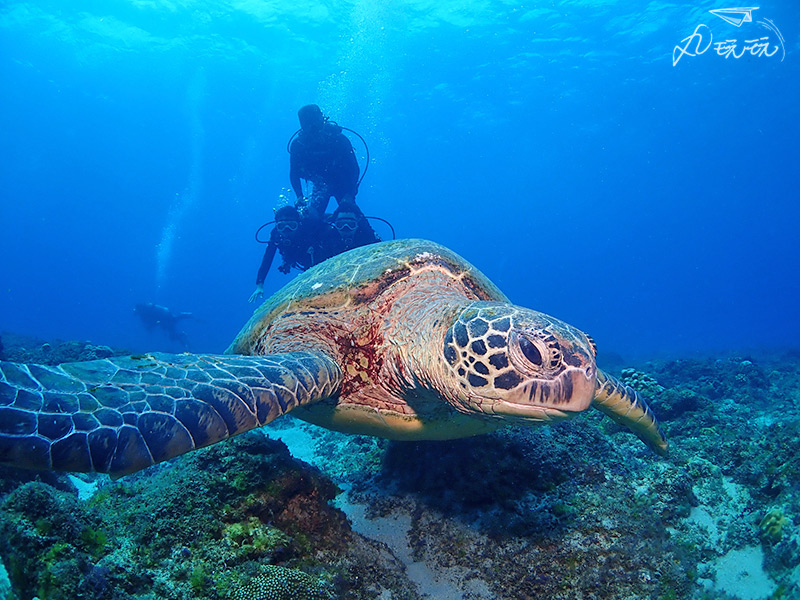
624	404
120	415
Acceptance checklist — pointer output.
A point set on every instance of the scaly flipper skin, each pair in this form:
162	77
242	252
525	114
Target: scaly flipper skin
123	414
625	406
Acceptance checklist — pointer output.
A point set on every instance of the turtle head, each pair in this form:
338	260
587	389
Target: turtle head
512	362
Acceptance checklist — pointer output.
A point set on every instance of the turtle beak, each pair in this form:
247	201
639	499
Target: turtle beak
550	399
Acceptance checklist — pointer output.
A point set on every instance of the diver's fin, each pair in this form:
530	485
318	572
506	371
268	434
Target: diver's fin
628	408
123	414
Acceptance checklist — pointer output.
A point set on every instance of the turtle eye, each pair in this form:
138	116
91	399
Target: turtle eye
530	351
534	354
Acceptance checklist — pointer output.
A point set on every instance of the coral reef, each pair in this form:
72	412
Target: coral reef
32	350
51	541
642	382
734	424
280	583
200	527
539	520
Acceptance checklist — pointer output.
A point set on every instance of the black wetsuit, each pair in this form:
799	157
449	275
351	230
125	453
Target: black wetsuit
160	317
328	161
312	243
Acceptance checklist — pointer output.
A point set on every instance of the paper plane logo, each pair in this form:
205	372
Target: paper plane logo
701	39
735	16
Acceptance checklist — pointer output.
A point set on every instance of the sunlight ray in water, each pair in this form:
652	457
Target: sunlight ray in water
183	202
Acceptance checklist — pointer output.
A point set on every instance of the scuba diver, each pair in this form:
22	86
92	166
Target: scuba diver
352	226
304	234
321	154
154	316
302	243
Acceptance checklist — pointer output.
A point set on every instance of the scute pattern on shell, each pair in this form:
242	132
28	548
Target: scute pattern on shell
358	276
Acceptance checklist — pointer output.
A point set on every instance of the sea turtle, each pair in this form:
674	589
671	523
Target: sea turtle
403	339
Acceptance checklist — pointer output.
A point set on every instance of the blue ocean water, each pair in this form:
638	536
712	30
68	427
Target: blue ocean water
555	145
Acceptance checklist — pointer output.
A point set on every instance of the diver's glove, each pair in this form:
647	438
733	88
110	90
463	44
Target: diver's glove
258	294
285	268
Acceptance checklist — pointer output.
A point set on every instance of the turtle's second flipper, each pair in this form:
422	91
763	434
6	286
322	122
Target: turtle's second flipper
628	408
123	414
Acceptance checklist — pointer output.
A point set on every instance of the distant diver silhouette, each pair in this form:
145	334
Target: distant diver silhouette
154	316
